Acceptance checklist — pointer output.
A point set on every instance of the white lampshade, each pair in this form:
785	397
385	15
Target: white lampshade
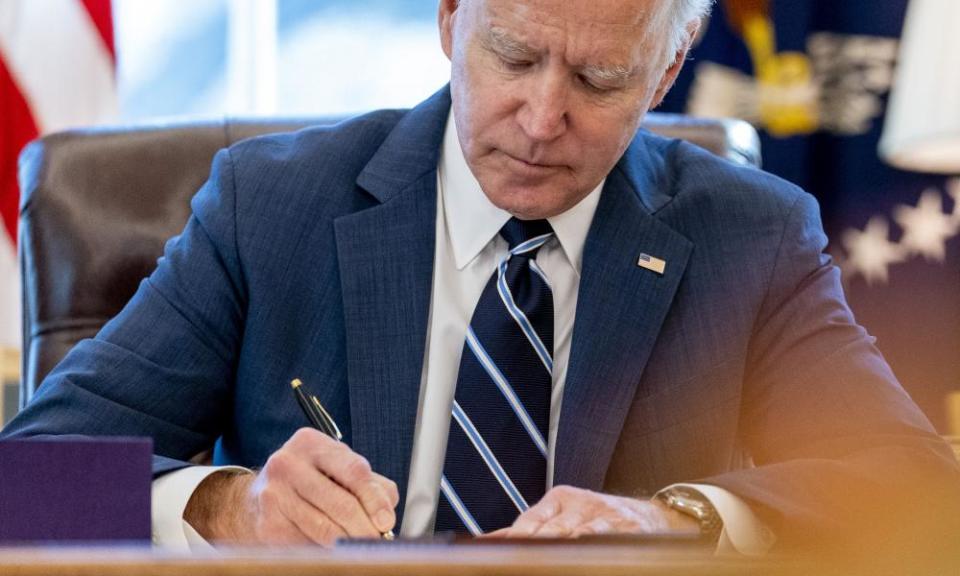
922	130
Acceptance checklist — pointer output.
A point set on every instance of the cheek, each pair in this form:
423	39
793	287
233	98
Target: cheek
601	143
483	120
616	127
469	98
483	97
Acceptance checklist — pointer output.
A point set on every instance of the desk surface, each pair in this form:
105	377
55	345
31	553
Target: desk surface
420	560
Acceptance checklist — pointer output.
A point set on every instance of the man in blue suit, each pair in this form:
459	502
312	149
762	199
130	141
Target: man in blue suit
695	318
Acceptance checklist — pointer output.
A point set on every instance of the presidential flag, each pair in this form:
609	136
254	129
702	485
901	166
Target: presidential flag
814	77
56	72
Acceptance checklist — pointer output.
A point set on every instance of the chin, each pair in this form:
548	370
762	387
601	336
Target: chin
529	197
528	205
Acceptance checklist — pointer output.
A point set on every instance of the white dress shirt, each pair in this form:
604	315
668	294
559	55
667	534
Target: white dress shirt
468	249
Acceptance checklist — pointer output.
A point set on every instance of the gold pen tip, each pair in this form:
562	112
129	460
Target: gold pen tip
295	383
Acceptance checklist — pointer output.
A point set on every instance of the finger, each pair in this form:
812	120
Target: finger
528	523
377	495
291	474
334	502
352	472
281	531
561	526
272	526
595	526
393	493
314	524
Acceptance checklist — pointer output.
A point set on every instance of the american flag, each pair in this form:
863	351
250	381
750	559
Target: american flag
57	63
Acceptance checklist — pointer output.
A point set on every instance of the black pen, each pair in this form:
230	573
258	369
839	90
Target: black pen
321	420
318	416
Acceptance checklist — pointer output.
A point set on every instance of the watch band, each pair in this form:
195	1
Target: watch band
694	504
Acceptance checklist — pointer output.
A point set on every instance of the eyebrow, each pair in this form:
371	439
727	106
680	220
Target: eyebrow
615	74
501	41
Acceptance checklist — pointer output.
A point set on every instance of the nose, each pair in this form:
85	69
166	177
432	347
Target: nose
544	113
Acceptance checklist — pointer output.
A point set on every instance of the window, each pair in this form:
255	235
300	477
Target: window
284	57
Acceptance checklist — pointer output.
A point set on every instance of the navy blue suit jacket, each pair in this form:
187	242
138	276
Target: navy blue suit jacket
310	255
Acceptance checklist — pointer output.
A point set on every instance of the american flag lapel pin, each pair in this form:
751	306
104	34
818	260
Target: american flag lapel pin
652	264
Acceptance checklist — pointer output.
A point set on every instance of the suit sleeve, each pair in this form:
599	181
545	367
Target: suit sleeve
841	452
164	366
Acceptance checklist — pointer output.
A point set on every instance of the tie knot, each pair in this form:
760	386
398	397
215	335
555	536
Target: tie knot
517	231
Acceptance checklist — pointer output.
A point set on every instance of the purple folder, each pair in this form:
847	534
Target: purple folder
75	489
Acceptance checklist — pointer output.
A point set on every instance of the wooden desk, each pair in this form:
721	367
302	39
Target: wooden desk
411	560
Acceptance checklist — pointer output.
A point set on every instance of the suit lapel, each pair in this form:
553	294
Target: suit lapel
386	267
620	309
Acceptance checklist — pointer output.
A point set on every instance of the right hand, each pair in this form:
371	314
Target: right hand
312	490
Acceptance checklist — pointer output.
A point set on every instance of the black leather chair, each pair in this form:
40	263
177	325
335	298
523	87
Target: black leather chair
99	204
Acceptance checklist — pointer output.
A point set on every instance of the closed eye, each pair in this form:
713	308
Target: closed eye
514	65
591	85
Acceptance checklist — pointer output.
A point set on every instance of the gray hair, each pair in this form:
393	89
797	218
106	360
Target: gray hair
683	12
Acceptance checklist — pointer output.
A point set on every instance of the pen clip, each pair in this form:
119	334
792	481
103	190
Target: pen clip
328	420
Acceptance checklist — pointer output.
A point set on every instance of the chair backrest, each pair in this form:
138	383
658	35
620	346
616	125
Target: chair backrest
99	204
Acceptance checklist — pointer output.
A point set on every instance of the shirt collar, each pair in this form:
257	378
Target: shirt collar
472	220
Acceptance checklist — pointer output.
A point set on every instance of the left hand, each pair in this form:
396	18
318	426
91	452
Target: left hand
568	512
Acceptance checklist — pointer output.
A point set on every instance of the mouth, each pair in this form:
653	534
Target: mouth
530	166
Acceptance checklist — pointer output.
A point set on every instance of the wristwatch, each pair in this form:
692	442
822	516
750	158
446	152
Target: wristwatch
694	504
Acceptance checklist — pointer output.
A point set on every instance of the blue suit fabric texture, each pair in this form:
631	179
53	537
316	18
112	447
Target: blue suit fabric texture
310	255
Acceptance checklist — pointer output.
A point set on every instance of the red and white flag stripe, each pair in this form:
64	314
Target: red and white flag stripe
57	65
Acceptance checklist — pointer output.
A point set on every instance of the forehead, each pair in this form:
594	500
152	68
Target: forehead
583	29
619	13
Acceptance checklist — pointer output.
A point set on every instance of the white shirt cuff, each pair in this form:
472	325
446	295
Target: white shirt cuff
743	532
169	496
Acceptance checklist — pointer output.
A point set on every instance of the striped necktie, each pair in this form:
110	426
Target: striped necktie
496	460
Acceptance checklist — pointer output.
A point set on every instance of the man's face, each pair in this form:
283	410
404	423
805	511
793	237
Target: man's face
547	94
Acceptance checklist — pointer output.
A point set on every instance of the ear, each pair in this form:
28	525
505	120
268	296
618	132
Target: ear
445	14
670	74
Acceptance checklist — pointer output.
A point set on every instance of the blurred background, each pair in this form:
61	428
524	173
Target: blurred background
292	57
839	91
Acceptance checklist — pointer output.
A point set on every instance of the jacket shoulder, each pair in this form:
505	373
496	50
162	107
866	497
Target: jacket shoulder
307	175
706	197
341	148
684	172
